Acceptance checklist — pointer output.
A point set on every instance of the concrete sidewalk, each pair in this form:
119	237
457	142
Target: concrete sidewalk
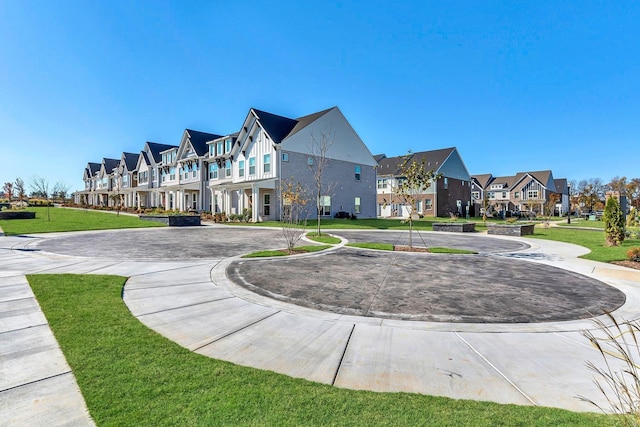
193	302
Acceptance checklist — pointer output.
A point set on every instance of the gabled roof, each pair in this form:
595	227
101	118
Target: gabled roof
483	180
433	160
110	164
542	176
277	127
199	140
156	148
379	157
561	185
130	160
93	168
305	121
507	181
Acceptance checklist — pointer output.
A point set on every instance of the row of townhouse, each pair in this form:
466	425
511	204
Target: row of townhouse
524	192
241	171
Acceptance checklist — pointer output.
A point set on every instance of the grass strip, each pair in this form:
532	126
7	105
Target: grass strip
372	245
438	250
60	219
284	252
129	375
323	238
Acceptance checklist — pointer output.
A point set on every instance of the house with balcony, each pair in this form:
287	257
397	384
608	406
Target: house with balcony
183	173
522	192
246	168
449	193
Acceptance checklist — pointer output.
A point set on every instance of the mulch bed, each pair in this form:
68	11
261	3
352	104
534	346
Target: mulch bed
629	264
408	249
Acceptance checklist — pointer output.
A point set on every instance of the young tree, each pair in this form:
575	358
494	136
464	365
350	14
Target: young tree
318	162
8	190
613	222
415	179
633	190
60	189
20	191
294	198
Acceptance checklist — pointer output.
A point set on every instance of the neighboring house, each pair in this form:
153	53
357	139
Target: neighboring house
247	167
450	193
522	192
89	196
105	181
183	173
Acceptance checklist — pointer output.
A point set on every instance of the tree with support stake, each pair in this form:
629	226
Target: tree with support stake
414	181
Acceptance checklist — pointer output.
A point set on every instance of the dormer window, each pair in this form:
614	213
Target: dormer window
219	147
227	145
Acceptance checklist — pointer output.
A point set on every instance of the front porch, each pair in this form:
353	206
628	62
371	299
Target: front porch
259	197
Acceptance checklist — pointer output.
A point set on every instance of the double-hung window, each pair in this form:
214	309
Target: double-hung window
358	172
252	166
213	171
219	147
227	145
241	168
227	168
267	163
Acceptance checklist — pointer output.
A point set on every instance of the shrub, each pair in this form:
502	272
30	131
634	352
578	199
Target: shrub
40	202
614	222
634	254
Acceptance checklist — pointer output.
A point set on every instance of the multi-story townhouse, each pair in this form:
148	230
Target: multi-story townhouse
88	196
183	173
450	193
148	168
524	192
127	179
105	181
247	167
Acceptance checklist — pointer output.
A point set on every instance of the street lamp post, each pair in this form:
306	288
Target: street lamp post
569	211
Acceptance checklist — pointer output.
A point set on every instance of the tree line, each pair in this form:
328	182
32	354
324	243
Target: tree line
590	194
39	187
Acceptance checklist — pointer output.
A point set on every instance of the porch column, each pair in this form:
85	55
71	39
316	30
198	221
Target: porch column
255	197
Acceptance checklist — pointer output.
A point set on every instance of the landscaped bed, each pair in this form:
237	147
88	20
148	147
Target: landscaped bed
173	220
455	227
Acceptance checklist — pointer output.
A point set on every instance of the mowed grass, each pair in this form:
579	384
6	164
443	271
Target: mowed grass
61	219
323	238
129	375
284	252
593	240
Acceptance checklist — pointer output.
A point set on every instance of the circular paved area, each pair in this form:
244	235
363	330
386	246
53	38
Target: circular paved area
493	287
429	287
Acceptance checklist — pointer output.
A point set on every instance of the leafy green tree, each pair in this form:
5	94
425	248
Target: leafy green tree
413	181
614	222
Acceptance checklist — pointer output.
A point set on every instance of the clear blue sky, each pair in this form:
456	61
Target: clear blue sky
515	86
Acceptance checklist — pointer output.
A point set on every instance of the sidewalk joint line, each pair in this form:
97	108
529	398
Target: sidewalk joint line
497	370
39	325
184	306
236	331
36	381
344	352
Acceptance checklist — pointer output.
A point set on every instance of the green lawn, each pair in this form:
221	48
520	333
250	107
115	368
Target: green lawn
129	375
60	219
591	239
323	238
284	252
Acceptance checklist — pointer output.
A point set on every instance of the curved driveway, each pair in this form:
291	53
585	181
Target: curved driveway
189	298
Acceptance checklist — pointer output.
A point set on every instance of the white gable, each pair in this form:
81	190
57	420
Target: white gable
347	145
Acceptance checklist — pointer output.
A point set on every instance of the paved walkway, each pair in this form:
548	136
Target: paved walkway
191	300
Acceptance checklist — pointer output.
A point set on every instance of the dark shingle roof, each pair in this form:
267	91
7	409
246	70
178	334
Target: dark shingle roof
304	121
110	164
131	160
157	148
93	168
482	179
278	127
561	185
379	157
433	160
199	140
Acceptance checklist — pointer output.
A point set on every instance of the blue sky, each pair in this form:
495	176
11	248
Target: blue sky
516	86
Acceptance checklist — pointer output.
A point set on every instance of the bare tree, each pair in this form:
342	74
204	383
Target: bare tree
40	187
8	190
294	199
414	180
318	163
20	191
60	189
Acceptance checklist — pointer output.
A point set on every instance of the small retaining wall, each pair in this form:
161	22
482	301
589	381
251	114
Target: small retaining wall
510	229
17	215
173	220
455	227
